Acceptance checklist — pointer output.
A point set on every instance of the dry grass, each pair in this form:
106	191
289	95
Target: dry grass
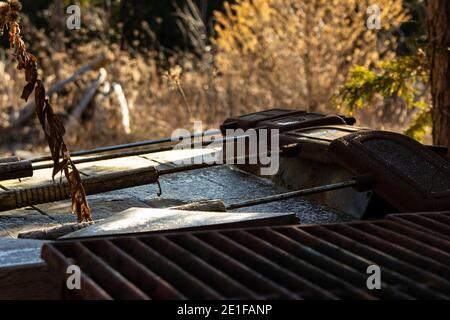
217	81
156	108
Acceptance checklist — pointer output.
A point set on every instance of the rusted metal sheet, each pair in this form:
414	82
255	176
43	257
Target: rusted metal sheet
313	143
409	176
301	262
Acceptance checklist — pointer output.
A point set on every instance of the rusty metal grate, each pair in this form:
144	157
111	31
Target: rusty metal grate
295	262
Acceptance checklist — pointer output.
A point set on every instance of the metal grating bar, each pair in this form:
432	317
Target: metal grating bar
91	290
323	262
395	250
422	223
295	262
285	278
200	269
409	261
167	269
416	234
147	281
425	250
238	271
429	223
318	276
345	257
315	281
102	273
442	218
414	284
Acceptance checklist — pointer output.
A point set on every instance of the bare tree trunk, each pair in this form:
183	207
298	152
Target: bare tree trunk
308	63
58	25
439	37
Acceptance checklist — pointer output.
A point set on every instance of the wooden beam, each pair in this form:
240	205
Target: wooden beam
15	170
29	282
60	231
27	110
8	159
20	198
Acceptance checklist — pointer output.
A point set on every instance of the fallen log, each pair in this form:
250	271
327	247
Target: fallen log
87	98
124	109
27	111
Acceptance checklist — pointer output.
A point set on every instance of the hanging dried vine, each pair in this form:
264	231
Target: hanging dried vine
51	124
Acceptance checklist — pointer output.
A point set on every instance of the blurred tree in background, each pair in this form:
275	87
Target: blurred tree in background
421	77
152	24
133	19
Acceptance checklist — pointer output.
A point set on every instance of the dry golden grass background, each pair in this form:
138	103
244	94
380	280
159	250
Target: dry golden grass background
265	53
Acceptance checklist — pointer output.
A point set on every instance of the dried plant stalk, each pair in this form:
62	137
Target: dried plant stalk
50	122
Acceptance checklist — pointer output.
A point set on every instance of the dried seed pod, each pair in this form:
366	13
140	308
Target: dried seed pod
15	5
4	8
50	123
13	16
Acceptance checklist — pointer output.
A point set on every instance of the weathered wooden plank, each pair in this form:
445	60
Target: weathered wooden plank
138	220
15	170
15	252
60	231
17	221
95	184
39	177
9	159
175	156
29	282
53	233
44	176
224	182
113	165
4	233
102	206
